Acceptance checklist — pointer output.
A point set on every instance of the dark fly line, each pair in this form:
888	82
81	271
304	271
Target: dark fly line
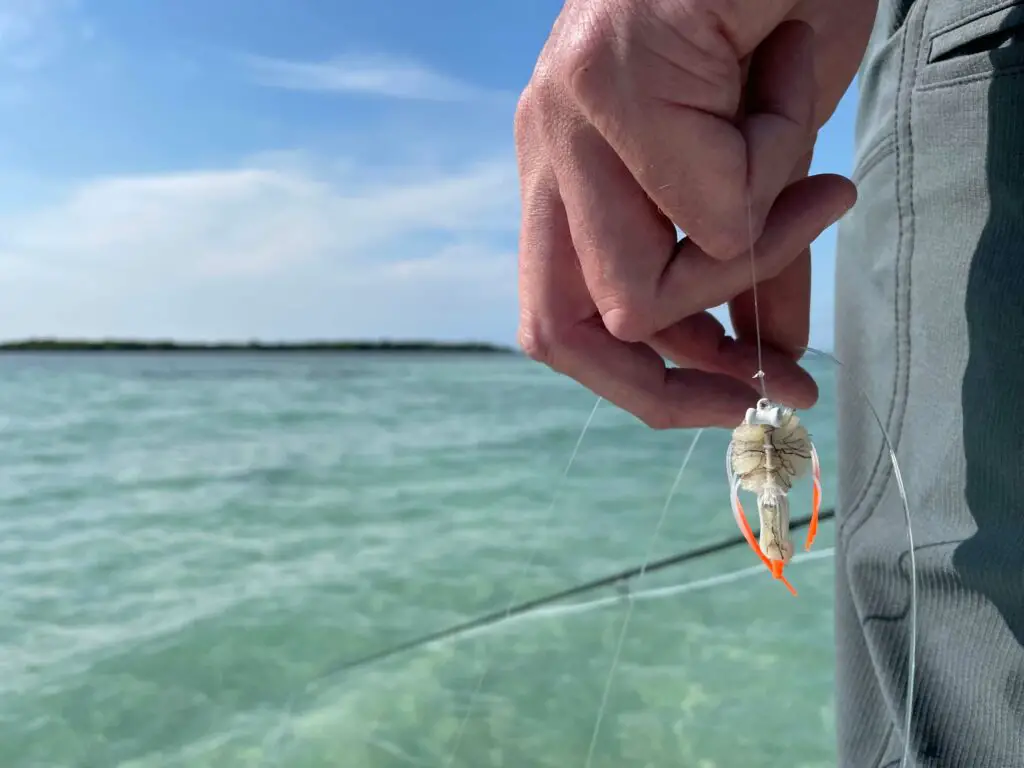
622	578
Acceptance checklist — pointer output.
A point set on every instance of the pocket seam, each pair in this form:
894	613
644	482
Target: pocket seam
1014	71
944	42
866	500
876	153
970	20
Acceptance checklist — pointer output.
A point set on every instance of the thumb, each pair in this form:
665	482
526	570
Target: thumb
778	123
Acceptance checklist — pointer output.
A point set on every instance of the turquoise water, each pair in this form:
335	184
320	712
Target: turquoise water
192	545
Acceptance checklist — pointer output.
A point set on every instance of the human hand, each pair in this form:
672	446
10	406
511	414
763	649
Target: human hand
641	113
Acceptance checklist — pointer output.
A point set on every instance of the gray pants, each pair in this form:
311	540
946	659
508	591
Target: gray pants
930	308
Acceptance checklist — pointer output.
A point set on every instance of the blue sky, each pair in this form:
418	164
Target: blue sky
274	168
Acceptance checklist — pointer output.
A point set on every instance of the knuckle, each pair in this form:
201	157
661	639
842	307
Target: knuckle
525	115
581	65
542	340
533	342
629	320
536	341
725	15
541	109
657	417
727	240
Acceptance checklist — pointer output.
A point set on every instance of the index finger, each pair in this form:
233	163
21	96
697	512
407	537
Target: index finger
682	139
634	377
560	328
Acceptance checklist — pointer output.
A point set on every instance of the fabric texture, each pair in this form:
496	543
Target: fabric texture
930	324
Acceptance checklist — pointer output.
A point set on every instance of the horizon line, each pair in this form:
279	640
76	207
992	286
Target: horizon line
70	344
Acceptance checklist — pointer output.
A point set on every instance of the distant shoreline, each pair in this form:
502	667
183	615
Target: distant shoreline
140	345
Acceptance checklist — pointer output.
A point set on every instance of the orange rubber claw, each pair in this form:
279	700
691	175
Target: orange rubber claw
748	534
774	566
812	529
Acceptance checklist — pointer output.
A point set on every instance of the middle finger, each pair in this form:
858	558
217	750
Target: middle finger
621	238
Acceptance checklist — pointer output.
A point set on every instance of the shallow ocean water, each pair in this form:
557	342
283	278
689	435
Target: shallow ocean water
191	546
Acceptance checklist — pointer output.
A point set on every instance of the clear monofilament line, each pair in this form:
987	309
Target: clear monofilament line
757	309
629	610
519	583
908	714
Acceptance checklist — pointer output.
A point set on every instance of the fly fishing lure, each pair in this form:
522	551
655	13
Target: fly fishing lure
768	452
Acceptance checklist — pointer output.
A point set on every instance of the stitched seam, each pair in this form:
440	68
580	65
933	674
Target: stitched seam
973	17
878	151
879	145
882	472
895	429
860	499
897	417
898	408
908	309
1013	71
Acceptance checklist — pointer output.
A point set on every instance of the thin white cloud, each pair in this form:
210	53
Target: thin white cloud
272	252
384	76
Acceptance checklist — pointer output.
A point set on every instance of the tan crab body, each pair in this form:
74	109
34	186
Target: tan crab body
769	451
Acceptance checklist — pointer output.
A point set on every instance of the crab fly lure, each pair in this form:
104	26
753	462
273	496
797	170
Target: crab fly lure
768	452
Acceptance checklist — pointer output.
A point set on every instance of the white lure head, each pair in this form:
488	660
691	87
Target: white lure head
767	414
